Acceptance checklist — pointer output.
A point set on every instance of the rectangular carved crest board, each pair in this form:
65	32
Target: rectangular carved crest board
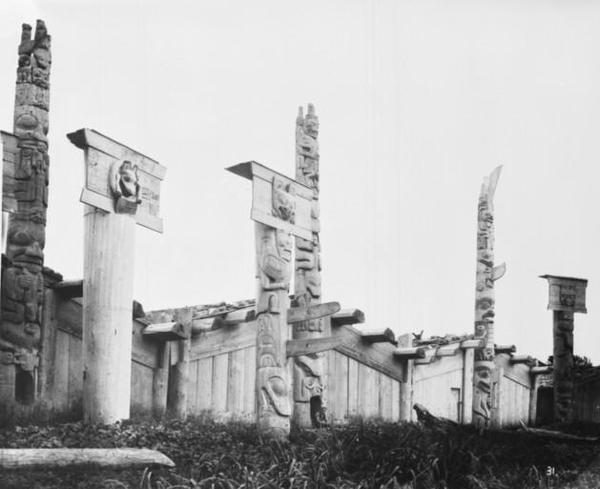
101	153
566	293
267	184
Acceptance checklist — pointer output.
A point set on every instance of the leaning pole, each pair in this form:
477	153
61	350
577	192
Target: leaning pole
486	275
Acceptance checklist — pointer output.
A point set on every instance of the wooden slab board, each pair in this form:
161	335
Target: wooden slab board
100	154
262	199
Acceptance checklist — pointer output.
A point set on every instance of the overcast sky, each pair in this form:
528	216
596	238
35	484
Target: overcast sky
417	102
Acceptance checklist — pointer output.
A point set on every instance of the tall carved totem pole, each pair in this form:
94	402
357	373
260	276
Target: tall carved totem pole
487	274
309	370
22	281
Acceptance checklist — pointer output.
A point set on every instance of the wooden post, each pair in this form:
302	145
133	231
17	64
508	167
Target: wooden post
122	188
406	386
566	297
27	188
310	391
486	275
181	369
280	206
107	311
160	381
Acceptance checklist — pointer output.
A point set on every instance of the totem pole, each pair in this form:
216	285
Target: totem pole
309	370
22	280
280	206
487	274
566	297
122	188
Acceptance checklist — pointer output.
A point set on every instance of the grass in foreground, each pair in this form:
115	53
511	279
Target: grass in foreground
361	455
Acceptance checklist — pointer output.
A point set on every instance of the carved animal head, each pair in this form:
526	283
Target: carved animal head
283	202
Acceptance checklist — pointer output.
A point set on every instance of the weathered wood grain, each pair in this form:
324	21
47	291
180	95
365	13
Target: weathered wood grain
379	356
72	458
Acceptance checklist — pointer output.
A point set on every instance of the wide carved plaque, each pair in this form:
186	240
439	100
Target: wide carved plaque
566	293
119	179
278	201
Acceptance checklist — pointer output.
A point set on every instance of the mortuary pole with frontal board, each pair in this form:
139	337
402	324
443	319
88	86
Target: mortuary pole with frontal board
310	390
486	275
280	208
122	188
566	297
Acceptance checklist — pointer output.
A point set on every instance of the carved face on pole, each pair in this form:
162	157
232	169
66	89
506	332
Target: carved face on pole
284	205
25	244
125	181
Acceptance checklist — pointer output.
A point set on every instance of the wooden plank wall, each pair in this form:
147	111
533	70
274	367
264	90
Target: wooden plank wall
512	394
587	400
223	373
358	390
67	382
439	386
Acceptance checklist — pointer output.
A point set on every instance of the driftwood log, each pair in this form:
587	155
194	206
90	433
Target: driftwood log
76	458
431	421
557	435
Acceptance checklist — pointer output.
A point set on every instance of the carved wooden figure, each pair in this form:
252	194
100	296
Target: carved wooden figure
26	197
310	395
280	206
122	188
486	275
566	297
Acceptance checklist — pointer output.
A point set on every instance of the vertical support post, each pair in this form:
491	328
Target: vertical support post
181	370
48	356
406	387
22	281
563	366
107	314
467	390
274	254
485	302
160	381
310	390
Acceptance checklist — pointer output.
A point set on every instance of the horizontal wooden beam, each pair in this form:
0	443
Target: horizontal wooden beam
296	348
471	344
516	359
69	289
408	353
378	356
168	331
381	336
233	318
71	458
316	311
504	349
448	350
348	317
545	369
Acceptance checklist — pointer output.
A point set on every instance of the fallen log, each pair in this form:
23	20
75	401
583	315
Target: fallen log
558	435
76	458
431	421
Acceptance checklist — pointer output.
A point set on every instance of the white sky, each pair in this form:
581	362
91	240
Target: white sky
417	102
